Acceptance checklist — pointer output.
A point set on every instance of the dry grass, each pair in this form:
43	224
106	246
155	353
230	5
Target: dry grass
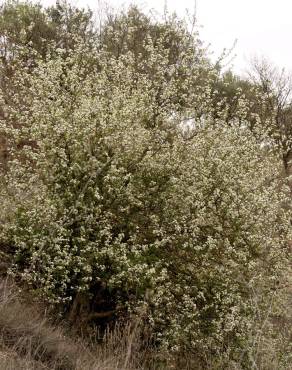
28	341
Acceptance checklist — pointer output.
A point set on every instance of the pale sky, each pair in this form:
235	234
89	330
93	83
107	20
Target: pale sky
261	27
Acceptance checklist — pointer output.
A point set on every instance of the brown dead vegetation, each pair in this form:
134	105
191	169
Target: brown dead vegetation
30	341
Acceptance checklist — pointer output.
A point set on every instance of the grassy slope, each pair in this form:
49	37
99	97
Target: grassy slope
29	341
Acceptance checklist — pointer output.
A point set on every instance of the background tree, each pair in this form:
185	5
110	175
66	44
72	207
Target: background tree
276	88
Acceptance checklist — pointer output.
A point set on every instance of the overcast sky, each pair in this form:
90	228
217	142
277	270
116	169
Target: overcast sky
261	27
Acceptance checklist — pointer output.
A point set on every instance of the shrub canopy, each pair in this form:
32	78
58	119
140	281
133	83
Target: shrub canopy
117	189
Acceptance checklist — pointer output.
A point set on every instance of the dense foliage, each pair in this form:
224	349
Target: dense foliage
130	187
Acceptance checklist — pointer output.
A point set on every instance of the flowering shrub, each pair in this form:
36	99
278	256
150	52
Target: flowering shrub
113	185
